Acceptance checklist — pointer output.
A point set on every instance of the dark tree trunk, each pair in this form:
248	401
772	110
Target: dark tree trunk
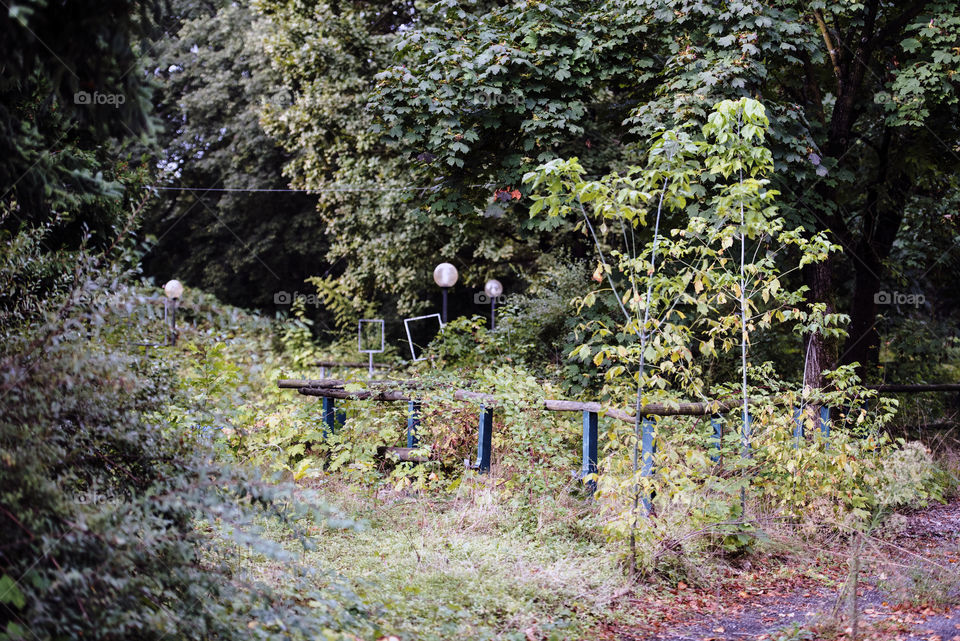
863	341
850	57
820	352
881	218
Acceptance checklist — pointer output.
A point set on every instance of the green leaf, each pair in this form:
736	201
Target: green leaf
10	593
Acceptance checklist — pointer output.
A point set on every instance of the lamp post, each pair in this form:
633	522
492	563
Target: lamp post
493	289
445	275
173	290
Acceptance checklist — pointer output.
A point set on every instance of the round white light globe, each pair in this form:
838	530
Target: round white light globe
445	275
493	288
173	289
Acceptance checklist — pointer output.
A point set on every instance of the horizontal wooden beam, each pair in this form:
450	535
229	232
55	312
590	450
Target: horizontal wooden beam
921	387
297	383
352	365
554	405
408	454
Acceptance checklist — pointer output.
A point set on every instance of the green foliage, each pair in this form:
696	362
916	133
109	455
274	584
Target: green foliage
692	274
711	286
326	55
480	95
486	92
115	512
213	80
346	305
71	82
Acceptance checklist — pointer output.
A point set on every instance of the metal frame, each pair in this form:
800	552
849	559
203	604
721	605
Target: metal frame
360	336
406	326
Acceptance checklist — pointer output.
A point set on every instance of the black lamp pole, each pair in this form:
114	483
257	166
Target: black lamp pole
443	310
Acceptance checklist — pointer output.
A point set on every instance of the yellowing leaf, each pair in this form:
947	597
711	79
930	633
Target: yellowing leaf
598	273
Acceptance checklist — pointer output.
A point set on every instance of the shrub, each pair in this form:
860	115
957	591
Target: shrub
115	520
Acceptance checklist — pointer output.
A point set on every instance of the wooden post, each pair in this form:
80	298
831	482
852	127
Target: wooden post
413	422
484	440
716	421
590	438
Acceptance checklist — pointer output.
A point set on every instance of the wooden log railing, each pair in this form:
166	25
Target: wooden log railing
331	390
893	388
350	365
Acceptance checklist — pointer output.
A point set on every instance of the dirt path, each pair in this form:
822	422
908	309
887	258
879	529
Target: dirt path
910	591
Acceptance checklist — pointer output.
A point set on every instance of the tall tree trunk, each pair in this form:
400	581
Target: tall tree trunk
820	351
882	216
849	55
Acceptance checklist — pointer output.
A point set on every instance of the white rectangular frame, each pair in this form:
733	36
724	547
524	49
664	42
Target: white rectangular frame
360	336
406	325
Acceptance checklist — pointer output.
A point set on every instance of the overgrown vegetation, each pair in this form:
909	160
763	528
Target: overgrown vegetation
672	195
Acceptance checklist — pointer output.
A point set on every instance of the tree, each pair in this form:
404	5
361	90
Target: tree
71	89
389	222
862	99
242	246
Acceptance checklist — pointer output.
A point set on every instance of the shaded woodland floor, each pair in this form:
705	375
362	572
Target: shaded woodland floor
909	589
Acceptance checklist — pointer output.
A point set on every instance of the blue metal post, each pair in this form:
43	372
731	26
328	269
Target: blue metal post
413	422
484	440
590	438
745	434
825	421
647	450
798	428
329	416
716	421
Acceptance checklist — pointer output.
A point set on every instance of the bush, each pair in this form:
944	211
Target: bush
115	521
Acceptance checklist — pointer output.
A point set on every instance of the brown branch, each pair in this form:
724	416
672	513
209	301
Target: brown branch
893	28
831	50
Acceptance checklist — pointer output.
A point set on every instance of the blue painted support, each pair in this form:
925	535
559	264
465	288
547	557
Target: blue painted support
825	421
484	440
332	417
745	434
590	437
798	429
329	416
716	422
647	450
413	422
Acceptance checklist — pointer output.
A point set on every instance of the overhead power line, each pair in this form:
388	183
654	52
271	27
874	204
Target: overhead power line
318	190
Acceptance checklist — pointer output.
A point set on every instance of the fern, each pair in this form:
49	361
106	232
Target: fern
346	306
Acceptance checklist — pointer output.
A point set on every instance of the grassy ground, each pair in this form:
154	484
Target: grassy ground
491	562
462	568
